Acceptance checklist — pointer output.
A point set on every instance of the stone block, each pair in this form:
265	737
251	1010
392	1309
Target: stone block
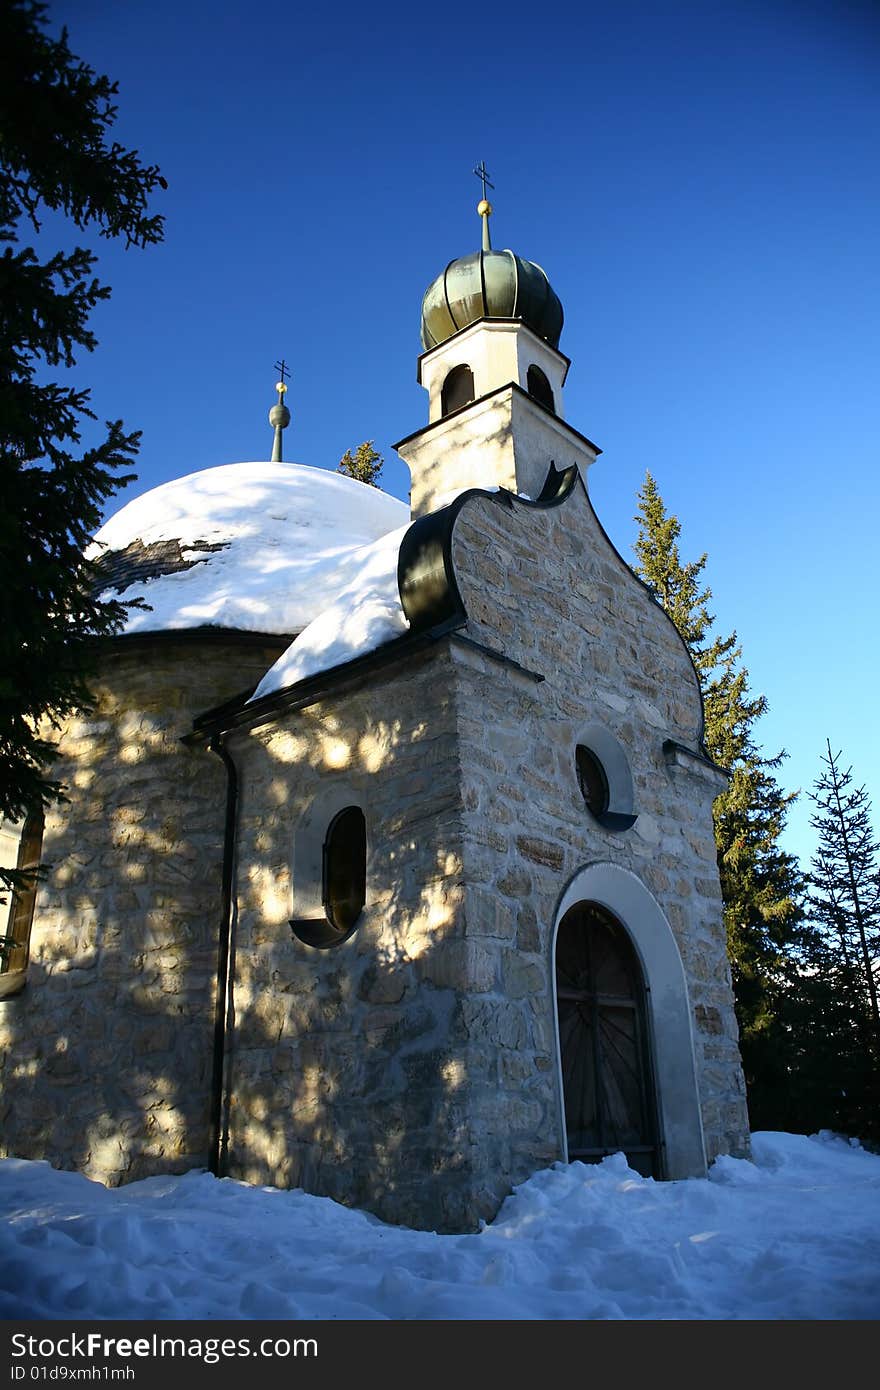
515	881
528	934
544	852
487	915
465	966
498	1023
521	976
382	984
708	1020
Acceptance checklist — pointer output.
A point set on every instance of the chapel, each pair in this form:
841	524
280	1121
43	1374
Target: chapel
387	867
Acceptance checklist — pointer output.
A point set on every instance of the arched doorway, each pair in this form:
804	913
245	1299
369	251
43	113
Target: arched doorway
607	1076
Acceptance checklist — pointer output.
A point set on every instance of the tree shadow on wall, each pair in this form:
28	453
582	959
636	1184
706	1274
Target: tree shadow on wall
391	1072
108	1050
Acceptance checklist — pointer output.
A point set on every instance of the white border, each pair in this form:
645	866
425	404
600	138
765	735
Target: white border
669	1013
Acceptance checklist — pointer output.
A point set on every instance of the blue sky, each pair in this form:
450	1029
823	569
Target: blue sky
699	180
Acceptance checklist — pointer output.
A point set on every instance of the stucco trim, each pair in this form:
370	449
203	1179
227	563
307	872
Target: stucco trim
669	1012
563	427
491	323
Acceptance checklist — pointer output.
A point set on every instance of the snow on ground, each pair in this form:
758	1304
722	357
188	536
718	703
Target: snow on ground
291	538
795	1234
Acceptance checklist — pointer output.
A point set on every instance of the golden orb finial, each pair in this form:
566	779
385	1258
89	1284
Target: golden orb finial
484	208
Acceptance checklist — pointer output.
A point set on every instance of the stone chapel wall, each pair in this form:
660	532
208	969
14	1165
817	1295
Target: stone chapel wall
546	588
346	1069
105	1057
412	1070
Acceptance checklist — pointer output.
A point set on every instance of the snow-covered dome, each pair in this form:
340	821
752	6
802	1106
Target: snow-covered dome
263	547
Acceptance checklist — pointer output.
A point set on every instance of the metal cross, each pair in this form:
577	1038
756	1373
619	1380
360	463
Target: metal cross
281	369
482	173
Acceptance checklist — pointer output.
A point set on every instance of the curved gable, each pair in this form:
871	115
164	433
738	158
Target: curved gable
541	582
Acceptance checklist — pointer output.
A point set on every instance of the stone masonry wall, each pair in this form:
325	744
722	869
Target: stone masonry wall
547	589
346	1069
412	1070
105	1057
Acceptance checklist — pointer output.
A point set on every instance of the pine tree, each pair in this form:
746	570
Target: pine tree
845	891
55	113
761	884
365	464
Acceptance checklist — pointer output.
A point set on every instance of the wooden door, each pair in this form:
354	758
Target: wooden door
606	1067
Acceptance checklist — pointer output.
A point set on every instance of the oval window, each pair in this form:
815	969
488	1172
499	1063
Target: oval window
592	780
345	870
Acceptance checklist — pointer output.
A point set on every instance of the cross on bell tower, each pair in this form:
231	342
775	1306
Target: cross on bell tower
484	207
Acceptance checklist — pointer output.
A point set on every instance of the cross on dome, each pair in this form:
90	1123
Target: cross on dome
482	174
279	415
484	207
283	371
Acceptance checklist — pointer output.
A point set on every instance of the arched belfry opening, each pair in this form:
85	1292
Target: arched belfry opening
604	1044
458	389
539	388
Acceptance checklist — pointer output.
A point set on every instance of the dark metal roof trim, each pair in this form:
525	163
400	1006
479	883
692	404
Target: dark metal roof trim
671	748
501	657
429	591
223	1008
176	636
558	484
242	711
616	553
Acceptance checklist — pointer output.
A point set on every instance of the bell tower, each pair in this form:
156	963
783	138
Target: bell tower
491	365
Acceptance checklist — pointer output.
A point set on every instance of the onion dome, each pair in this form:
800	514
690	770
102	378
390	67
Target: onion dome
490	285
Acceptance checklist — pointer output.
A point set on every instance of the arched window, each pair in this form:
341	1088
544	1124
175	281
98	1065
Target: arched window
607	1078
15	936
345	869
539	388
343	882
592	780
458	389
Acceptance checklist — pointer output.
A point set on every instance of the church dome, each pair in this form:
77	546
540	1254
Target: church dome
256	547
494	285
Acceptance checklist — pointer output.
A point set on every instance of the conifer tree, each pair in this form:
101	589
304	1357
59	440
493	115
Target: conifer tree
761	884
365	464
845	889
55	112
